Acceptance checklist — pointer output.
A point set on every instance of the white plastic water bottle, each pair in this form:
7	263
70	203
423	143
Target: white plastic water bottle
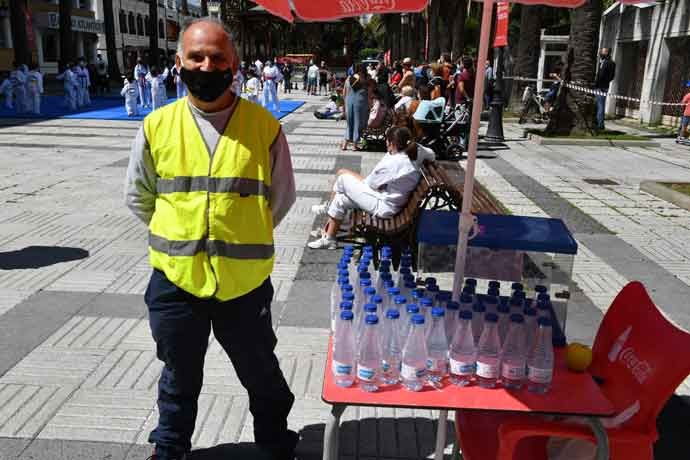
407	288
368	309
452	309
426	304
386	253
530	327
343	278
359	293
514	354
391	293
432	291
488	353
478	313
369	357
503	321
399	303
383	277
466	301
413	370
516	303
540	359
344	351
401	274
516	287
463	352
345	294
442	299
437	348
411	309
378	301
344	305
392	348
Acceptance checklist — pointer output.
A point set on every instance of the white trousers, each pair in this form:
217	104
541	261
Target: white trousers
71	97
34	99
131	105
352	193
271	92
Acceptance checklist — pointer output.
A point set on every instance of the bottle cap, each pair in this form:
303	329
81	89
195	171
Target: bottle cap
386	250
370	308
417	319
386	276
430	281
426	302
545	322
471	282
348	248
346	287
343	272
368	248
503	309
437	312
385	263
516	318
405	271
465	314
530	312
392	313
364	275
412	308
399	300
494	285
346	315
410	285
346	305
478	308
452	305
387	284
466	298
493	292
393	291
348	295
343	279
369	291
491	317
372	319
384	268
365	282
418	293
376	299
516	287
540	289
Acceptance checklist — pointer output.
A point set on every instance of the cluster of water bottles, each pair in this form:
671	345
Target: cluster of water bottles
381	338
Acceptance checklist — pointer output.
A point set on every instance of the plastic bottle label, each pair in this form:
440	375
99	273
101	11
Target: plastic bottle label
366	374
486	370
512	372
411	373
538	375
462	368
341	368
436	365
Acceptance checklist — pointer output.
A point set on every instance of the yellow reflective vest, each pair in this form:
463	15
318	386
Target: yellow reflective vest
212	229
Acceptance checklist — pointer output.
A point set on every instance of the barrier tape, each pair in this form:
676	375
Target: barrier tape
600	93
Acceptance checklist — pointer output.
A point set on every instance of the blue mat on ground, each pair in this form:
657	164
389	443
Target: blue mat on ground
110	108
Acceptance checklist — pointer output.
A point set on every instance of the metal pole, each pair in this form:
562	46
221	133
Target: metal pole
494	133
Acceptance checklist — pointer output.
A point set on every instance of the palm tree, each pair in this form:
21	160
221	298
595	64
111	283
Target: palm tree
111	47
22	54
66	48
575	110
432	12
527	61
153	32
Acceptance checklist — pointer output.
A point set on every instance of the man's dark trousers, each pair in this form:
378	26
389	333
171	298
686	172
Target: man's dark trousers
181	324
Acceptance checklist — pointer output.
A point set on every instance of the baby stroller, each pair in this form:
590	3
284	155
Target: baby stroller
444	133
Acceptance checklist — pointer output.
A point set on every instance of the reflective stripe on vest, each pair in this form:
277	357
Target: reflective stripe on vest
212	228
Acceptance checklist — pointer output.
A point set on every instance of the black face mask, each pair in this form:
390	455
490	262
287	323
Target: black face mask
207	86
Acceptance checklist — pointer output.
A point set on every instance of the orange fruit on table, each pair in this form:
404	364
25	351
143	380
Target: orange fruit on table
578	357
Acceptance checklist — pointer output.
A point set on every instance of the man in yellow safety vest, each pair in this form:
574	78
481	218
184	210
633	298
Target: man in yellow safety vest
211	176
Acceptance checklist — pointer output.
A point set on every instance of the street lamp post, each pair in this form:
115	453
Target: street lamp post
494	133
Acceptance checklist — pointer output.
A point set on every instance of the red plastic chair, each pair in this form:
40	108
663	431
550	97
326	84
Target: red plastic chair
638	354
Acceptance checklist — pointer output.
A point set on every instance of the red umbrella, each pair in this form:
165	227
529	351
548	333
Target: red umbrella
327	10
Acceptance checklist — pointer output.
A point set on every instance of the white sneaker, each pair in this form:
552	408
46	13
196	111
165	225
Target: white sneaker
319	209
323	243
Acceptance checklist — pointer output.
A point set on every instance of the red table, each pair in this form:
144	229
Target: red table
571	394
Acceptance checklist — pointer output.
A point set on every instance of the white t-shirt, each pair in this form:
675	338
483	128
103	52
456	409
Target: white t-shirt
393	178
313	71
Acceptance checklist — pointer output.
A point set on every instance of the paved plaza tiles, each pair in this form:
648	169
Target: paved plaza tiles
77	365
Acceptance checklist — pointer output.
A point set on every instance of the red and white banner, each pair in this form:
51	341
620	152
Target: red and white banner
502	15
326	10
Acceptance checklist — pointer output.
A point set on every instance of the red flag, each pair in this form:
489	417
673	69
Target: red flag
502	15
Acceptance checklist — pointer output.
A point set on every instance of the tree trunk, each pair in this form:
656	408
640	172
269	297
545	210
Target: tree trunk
66	49
447	19
527	61
433	18
574	111
184	7
111	47
458	33
419	41
22	53
204	8
154	57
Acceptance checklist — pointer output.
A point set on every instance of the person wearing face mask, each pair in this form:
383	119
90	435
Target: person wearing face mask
271	78
211	176
606	72
84	79
140	72
383	193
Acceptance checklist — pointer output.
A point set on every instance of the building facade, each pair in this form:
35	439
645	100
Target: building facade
650	44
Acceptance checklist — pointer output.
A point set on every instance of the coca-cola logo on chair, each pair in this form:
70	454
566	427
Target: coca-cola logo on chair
366	6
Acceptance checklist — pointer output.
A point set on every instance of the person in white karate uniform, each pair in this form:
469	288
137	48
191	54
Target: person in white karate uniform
130	91
140	72
34	89
252	87
18	80
156	80
69	85
271	78
6	91
84	79
180	87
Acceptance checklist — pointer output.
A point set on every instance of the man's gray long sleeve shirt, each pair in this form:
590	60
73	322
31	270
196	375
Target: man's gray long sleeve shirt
140	184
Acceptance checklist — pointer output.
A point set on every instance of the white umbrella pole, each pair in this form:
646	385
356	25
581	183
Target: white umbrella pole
467	220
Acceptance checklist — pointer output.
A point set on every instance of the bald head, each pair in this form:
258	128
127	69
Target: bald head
206	44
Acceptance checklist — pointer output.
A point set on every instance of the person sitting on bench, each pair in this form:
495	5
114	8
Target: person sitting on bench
383	193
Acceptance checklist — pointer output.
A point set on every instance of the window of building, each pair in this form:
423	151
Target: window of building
122	18
49	40
130	23
161	29
147	26
140	25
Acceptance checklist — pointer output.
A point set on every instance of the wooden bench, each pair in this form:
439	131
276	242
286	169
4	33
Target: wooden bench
435	191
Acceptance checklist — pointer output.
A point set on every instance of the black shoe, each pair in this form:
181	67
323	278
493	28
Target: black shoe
284	450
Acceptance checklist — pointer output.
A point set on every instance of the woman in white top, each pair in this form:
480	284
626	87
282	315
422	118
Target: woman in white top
383	193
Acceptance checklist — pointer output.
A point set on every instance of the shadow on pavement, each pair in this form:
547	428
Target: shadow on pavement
39	256
239	451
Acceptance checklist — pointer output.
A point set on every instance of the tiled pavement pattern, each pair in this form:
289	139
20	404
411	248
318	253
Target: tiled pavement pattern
77	363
